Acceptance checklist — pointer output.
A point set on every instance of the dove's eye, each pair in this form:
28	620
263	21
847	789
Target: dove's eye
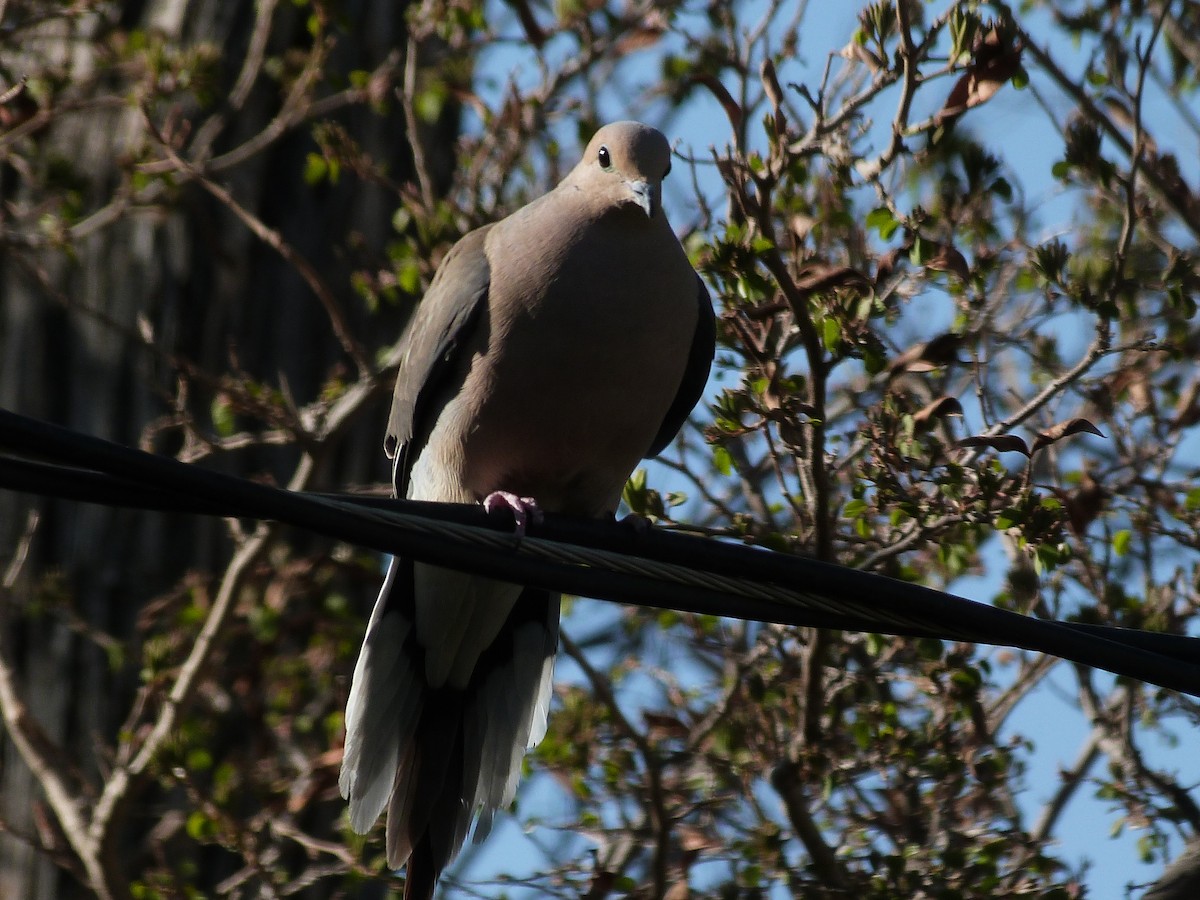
605	158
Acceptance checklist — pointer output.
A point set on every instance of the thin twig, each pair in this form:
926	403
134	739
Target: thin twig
908	88
1071	780
39	753
416	145
13	570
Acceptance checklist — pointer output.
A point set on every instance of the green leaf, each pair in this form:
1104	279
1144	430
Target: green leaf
873	361
222	416
1048	557
430	102
401	219
408	277
199	760
882	220
722	460
199	826
832	333
1121	541
315	168
1146	846
675	68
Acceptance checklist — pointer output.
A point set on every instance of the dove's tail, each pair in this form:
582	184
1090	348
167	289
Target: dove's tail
436	756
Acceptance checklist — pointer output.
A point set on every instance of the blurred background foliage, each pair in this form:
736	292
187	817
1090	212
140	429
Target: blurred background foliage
215	219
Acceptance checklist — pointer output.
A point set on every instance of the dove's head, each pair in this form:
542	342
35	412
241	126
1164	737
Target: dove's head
624	166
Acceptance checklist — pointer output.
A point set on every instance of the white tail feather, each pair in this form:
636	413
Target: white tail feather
381	693
503	711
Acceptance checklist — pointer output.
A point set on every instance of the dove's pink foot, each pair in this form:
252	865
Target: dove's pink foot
524	509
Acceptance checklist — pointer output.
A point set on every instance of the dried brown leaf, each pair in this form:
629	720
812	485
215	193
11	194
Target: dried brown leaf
1133	382
887	264
1187	408
933	354
16	106
647	34
1085	504
856	52
692	839
1061	430
948	259
821	277
801	225
994	63
664	725
940	408
1001	443
770	82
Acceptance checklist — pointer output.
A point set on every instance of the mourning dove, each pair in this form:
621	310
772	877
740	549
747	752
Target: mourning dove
553	350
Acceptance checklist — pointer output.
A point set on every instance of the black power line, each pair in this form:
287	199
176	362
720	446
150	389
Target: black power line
606	560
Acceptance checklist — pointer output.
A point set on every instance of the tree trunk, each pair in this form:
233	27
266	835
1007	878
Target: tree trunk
213	294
